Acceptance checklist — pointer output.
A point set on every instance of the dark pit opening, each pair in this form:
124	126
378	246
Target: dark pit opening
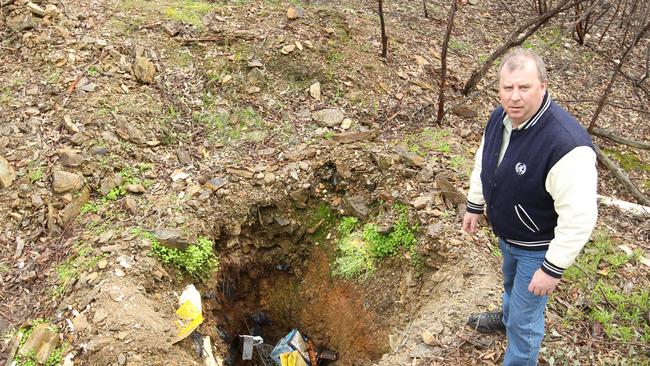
269	288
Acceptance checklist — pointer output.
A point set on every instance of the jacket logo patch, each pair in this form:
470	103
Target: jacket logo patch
520	168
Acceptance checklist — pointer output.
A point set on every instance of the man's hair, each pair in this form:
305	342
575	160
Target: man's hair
516	59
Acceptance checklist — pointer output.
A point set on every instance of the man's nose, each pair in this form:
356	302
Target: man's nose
515	94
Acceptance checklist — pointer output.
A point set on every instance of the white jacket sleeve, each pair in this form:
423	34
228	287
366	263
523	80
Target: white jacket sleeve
572	183
475	199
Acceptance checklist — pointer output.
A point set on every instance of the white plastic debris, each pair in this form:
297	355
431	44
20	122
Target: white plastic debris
249	343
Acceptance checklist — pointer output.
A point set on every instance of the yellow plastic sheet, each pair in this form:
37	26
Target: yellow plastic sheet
190	319
292	359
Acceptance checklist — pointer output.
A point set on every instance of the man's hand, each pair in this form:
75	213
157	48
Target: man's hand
470	222
542	284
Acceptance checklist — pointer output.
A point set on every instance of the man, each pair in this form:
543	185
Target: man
535	176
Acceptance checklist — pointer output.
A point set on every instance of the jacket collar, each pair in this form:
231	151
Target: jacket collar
546	102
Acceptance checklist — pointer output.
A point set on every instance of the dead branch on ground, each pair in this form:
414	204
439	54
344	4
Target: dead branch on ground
516	39
443	59
622	177
424	5
620	139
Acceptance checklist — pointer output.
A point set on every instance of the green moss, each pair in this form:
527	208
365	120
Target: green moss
181	58
6	96
627	160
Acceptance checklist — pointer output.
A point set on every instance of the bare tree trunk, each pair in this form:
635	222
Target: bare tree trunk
424	5
620	139
384	38
443	59
622	178
603	99
515	39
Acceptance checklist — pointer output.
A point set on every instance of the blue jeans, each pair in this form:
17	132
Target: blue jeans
523	312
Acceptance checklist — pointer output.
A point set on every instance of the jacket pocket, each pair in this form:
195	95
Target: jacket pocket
525	218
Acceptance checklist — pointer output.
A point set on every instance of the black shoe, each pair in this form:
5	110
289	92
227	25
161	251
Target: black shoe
487	322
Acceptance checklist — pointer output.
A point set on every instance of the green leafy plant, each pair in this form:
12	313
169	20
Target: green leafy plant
355	259
89	207
361	248
459	46
92	71
115	193
328	135
36	174
198	260
402	235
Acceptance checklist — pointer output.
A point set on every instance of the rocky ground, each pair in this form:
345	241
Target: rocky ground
242	122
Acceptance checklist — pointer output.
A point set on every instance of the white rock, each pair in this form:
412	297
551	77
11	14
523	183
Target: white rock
7	173
314	90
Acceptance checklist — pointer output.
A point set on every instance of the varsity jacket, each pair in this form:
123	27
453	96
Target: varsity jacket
541	195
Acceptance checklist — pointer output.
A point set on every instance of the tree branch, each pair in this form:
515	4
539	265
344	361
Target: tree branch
603	99
529	27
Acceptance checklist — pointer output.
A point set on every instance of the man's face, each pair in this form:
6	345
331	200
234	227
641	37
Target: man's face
521	92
